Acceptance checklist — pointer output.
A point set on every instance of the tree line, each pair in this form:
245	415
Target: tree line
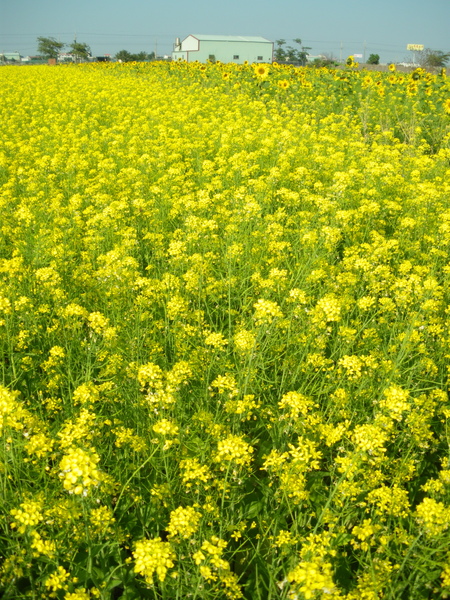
427	58
50	47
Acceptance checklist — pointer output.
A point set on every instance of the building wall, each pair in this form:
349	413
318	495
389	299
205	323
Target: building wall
190	43
180	56
224	51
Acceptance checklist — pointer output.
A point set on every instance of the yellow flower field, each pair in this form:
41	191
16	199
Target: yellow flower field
224	333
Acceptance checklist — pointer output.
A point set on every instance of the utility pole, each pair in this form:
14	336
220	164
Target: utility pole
340	53
364	54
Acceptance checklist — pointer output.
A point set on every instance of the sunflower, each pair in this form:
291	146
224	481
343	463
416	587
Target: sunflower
411	89
262	71
392	67
283	84
418	73
447	106
226	76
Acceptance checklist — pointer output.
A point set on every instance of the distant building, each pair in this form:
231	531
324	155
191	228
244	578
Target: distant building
223	48
311	57
10	57
66	57
34	60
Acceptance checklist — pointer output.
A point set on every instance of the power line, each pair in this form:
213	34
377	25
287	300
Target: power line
173	36
59	33
111	41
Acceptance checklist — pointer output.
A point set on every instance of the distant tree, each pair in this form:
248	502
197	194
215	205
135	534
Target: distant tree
49	47
433	58
140	56
81	51
302	54
280	53
125	56
291	54
330	58
374	59
325	60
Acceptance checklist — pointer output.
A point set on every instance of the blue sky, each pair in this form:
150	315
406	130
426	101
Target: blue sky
383	27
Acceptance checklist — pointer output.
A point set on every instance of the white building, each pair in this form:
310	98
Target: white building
10	57
223	48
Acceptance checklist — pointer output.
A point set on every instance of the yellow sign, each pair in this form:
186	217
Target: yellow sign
418	47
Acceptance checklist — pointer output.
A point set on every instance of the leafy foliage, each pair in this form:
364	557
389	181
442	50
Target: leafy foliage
374	59
80	50
433	58
49	47
291	54
125	56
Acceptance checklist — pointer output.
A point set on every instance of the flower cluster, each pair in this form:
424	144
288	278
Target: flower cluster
153	557
184	522
78	470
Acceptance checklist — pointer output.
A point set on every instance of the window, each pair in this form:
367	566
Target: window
236	57
260	57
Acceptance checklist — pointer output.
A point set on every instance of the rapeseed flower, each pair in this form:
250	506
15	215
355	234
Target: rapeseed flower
184	522
153	557
29	514
79	471
233	450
